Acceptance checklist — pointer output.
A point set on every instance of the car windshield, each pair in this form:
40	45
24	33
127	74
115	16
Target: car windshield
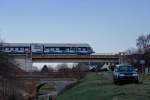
126	68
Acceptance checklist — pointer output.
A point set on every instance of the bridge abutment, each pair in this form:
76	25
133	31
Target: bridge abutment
24	63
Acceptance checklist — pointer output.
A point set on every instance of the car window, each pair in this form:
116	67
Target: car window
126	68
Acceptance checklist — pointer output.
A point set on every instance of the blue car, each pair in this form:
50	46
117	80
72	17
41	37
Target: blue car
125	73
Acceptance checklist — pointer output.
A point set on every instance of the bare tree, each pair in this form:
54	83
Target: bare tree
143	43
131	51
45	70
50	68
63	67
82	67
1	45
80	70
148	41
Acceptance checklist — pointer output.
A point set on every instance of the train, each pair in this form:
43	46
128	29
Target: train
47	48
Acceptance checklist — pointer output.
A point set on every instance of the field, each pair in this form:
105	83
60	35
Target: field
99	86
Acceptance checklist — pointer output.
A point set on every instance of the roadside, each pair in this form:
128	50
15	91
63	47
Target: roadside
101	87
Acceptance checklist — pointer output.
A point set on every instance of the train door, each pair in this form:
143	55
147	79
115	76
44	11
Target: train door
37	48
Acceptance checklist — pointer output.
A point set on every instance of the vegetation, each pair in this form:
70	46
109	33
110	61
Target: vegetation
8	67
100	87
45	70
9	86
142	52
45	89
143	43
64	71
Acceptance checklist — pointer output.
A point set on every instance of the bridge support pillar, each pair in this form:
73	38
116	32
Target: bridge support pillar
24	63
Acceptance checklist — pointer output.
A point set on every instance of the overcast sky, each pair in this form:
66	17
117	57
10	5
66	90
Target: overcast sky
107	25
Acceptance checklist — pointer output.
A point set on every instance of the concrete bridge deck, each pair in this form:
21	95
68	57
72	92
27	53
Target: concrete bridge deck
75	58
25	61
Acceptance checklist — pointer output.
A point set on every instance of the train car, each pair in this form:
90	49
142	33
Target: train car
51	49
72	49
16	48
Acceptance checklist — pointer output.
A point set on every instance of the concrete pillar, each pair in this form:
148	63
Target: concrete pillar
122	58
28	64
24	63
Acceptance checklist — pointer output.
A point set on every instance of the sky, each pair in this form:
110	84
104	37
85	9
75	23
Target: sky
107	25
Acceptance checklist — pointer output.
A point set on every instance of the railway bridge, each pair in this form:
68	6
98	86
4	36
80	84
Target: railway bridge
26	61
26	54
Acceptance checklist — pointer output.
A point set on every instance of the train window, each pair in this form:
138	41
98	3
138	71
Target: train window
79	49
57	49
73	49
67	49
52	49
47	49
26	49
7	49
83	49
22	49
11	49
62	49
16	49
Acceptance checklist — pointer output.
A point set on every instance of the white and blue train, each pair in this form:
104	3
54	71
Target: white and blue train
39	48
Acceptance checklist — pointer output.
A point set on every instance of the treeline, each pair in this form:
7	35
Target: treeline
142	52
64	71
143	43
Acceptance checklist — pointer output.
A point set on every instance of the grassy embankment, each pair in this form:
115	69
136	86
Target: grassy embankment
100	87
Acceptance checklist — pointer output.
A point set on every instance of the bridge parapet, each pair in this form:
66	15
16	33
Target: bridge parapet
74	56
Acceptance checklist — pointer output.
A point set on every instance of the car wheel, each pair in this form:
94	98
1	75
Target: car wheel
115	81
137	81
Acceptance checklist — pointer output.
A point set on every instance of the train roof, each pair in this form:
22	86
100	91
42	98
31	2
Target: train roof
104	54
46	44
66	45
16	44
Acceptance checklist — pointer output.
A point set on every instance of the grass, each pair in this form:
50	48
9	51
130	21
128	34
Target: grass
100	87
45	89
